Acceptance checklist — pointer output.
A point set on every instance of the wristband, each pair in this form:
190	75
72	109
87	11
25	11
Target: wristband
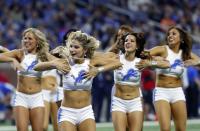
100	69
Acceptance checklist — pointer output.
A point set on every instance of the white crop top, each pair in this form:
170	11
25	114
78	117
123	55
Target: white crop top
28	63
128	74
53	73
176	63
74	79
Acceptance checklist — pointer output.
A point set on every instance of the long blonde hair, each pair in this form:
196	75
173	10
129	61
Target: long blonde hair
42	44
88	42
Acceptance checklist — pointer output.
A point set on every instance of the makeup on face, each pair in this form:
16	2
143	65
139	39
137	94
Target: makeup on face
173	36
29	42
130	43
76	49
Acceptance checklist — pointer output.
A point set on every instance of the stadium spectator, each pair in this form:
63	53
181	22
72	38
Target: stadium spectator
6	93
148	84
101	92
192	92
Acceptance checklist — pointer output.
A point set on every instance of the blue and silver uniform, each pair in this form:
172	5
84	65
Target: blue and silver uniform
128	74
176	64
28	64
74	80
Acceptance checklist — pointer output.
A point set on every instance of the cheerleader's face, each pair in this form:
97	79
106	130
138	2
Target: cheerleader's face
29	42
130	43
173	37
76	49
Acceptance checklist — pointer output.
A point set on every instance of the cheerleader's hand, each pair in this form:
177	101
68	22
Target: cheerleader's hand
145	55
93	71
62	65
60	52
16	65
143	64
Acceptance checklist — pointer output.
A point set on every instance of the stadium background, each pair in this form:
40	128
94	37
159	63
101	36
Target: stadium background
100	19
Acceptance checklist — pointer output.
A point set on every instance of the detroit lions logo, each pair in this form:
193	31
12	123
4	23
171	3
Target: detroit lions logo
80	77
176	63
130	73
30	67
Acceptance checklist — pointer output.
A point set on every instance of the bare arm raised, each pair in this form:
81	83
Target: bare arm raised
104	62
14	57
55	63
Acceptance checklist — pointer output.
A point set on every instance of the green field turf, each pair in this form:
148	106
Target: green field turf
193	125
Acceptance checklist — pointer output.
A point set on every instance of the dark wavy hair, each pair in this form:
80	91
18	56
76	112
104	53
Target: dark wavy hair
125	28
140	42
186	42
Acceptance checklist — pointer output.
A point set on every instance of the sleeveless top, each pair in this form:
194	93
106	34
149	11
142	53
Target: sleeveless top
74	80
128	74
176	64
53	73
28	63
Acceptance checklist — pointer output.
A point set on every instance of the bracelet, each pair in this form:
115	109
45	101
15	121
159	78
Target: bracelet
100	69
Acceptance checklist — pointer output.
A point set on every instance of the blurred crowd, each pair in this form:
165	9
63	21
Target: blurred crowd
101	19
6	93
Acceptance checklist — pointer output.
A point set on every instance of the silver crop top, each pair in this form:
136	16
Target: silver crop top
74	79
128	74
177	68
28	63
53	73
